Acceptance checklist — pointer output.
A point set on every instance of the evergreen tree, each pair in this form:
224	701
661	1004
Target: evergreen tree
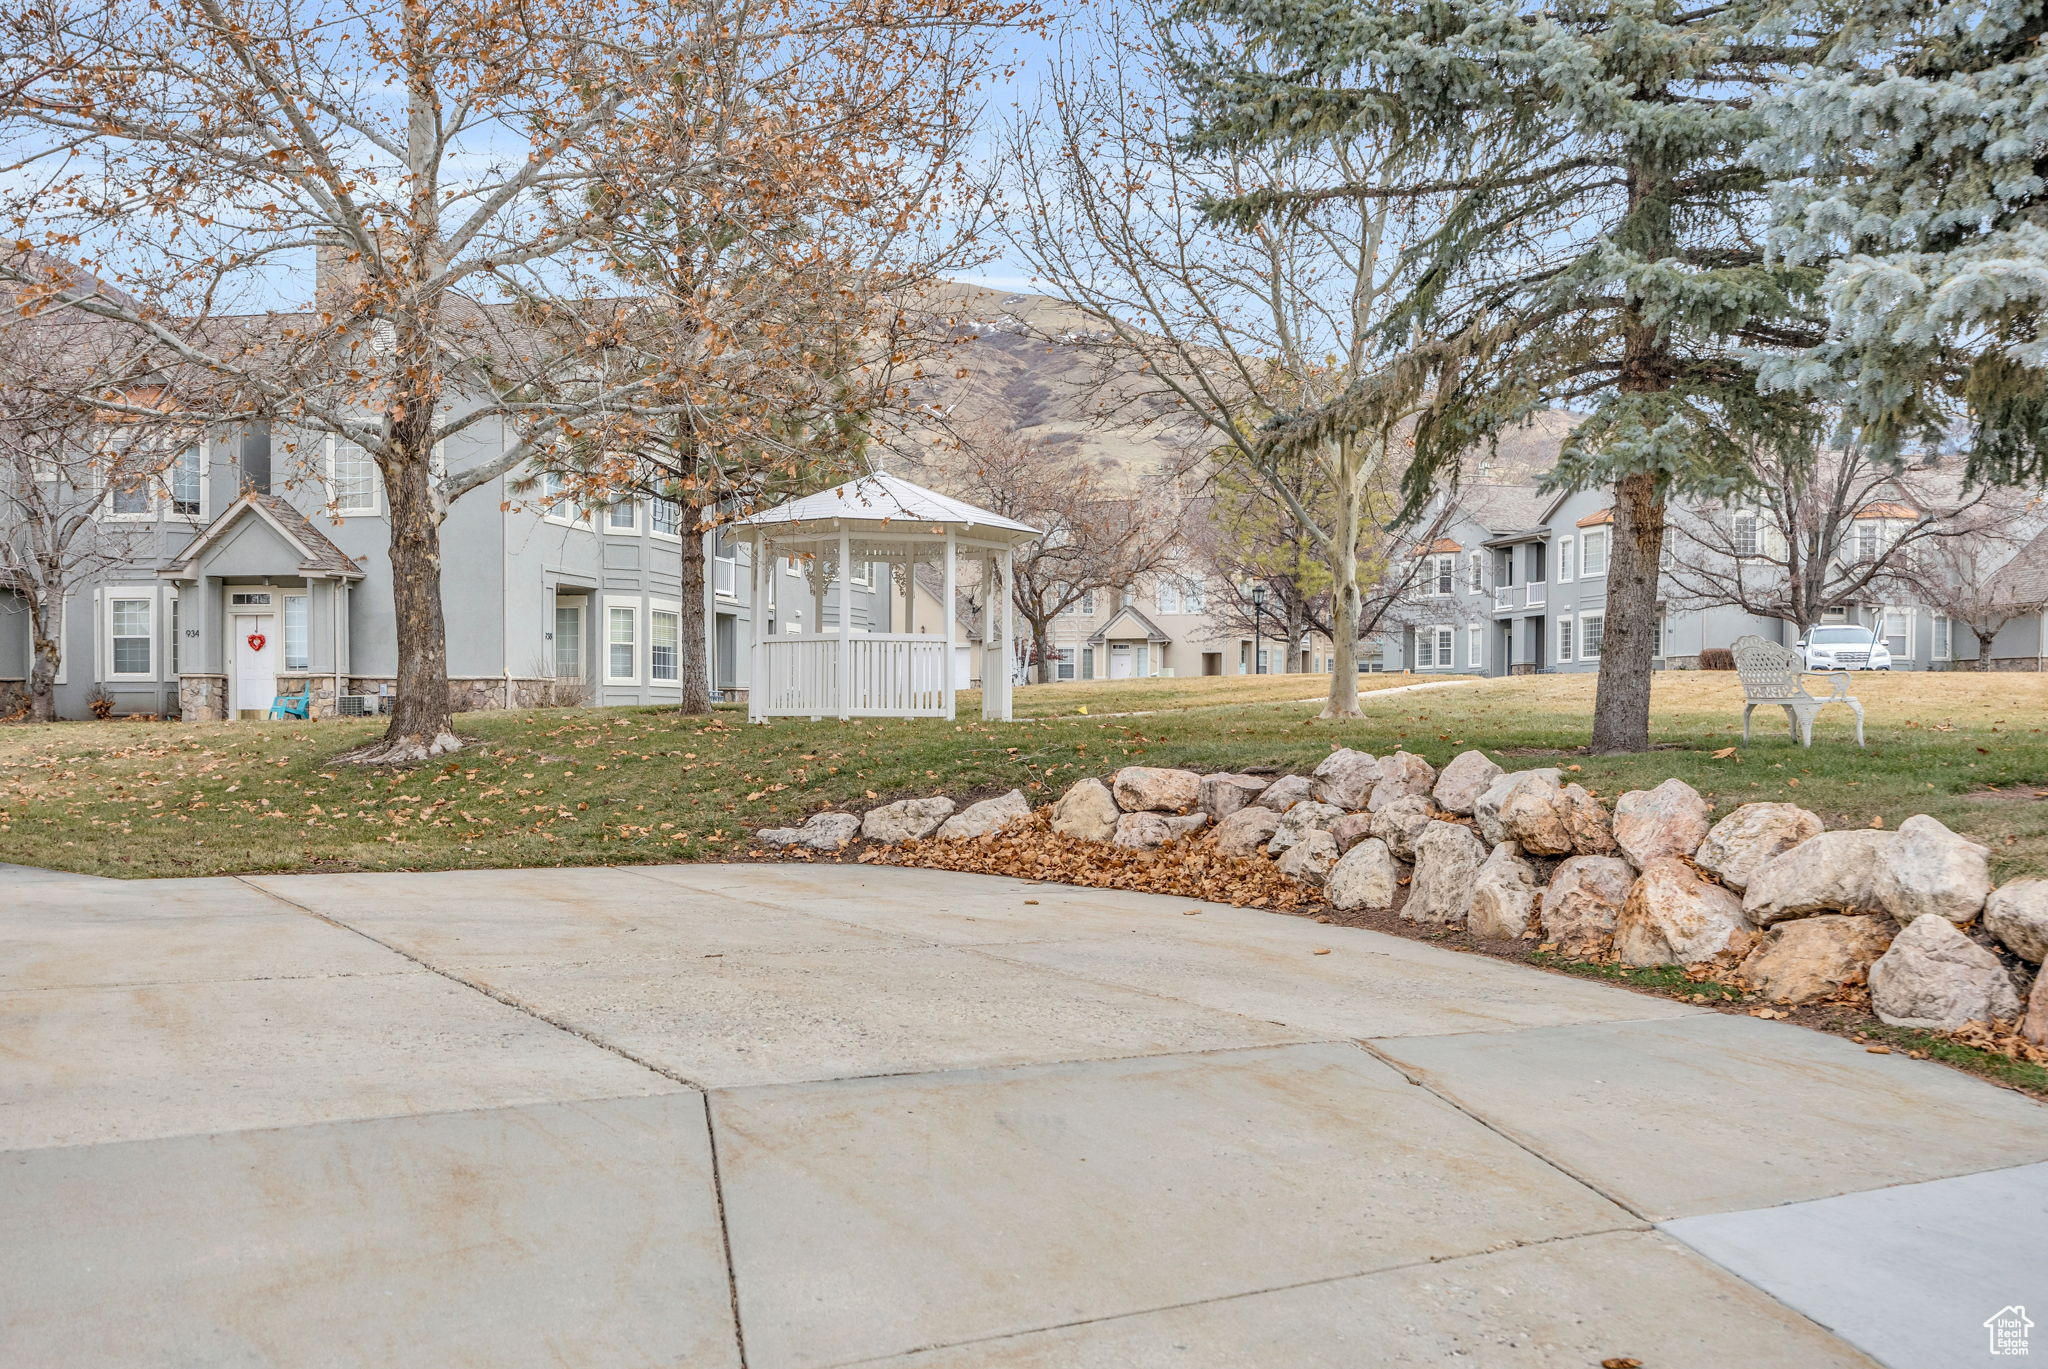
1602	247
1914	163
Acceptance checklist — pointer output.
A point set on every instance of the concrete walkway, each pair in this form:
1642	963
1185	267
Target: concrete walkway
794	1116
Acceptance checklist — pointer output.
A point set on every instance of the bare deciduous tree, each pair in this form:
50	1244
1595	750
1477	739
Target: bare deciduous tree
1980	583
1226	325
1095	536
1806	536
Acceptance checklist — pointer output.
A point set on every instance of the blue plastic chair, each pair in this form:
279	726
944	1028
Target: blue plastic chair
299	705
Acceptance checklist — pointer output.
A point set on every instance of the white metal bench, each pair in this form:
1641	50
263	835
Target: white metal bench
1773	676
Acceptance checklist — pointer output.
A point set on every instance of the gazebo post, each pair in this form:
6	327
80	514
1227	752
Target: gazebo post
952	589
1009	628
757	631
845	682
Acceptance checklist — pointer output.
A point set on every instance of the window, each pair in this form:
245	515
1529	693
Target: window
1130	597
568	639
1944	638
295	654
1443	571
1194	595
1167	595
351	478
1564	639
1592	632
623	516
1593	554
1666	633
622	628
1866	539
177	653
1475	647
131	636
1088	604
1744	534
1475	572
1064	663
1435	646
1564	559
250	599
185	485
725	560
1446	646
129	496
664	629
1087	662
665	516
1898	632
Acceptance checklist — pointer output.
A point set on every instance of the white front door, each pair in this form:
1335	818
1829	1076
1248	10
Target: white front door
1120	666
252	649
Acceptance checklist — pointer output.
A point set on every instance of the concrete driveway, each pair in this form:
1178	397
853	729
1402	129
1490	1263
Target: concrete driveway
790	1116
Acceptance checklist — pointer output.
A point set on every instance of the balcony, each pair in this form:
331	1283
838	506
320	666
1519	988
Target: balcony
1515	598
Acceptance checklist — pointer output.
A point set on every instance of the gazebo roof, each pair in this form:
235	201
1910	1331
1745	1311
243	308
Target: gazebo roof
876	501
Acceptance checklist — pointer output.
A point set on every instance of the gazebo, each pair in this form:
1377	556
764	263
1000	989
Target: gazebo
817	554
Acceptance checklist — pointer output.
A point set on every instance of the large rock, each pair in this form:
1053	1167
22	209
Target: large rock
1835	872
1584	901
1225	793
1150	789
2017	915
1309	860
820	832
1813	957
1747	839
1087	811
1486	808
1447	859
1351	829
910	819
1670	820
1363	877
1283	793
1935	977
1149	831
1545	819
2034	1026
1503	895
1246	832
1402	776
1460	783
1346	778
1299	821
1673	916
1930	869
1400	823
980	819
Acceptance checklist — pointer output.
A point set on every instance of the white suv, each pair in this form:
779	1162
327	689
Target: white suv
1845	647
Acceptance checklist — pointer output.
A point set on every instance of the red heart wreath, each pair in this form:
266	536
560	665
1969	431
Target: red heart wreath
256	641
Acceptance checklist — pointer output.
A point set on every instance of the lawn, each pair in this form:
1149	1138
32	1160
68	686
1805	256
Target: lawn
567	787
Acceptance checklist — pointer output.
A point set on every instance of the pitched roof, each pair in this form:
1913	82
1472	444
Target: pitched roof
1882	509
1438	547
1152	630
883	498
318	555
1597	518
2023	579
1503	507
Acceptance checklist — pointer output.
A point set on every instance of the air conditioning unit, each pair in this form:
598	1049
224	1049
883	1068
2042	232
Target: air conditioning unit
356	705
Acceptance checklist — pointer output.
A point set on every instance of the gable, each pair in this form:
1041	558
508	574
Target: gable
251	547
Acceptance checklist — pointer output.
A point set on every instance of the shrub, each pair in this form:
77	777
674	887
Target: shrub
1717	658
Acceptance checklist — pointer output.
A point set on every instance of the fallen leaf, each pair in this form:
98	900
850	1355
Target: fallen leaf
1621	1362
1877	1050
1322	950
1877	821
1724	753
1029	901
1192	912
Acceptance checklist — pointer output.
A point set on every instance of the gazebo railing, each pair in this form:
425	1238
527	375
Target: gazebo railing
894	674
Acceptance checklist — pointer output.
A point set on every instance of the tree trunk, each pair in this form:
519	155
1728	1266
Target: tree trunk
47	631
693	644
1041	647
1344	606
1621	713
422	717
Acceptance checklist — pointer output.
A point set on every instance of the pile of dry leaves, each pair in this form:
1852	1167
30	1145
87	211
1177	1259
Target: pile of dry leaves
1030	849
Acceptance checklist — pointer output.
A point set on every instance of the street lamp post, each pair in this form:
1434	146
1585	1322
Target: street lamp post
1258	618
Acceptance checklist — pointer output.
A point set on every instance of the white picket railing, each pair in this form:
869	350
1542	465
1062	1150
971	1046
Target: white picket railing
893	674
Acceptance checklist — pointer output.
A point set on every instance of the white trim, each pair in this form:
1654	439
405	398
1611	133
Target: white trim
1475	646
675	609
1475	572
578	517
605	642
1567	547
1941	643
144	594
334	505
612	529
653	528
1564	638
1584	635
1911	616
1586	544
